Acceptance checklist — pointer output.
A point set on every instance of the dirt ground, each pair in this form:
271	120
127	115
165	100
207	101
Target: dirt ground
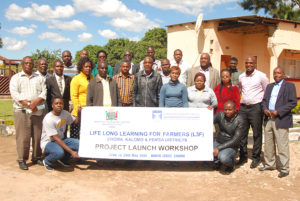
143	181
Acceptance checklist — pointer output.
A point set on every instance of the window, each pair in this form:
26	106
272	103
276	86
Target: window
291	67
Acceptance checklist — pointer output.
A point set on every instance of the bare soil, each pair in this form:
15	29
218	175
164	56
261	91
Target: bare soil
143	181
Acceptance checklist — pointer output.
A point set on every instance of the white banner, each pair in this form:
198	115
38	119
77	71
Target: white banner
136	133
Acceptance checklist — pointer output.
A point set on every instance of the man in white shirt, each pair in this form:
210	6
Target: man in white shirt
165	73
42	67
28	91
184	66
156	63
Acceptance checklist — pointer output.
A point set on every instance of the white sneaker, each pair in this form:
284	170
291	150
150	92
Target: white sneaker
48	167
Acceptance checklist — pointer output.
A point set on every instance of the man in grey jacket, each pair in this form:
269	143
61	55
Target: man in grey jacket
212	75
146	86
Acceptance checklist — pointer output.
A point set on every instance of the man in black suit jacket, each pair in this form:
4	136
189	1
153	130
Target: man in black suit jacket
134	67
58	85
279	99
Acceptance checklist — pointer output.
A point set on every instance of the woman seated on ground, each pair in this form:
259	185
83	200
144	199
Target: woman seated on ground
226	91
79	86
201	96
174	93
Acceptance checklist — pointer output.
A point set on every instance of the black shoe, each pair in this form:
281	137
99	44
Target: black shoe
23	165
283	174
266	168
254	163
65	164
242	160
229	170
217	165
48	167
39	162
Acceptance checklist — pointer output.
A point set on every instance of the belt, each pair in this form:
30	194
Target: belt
126	104
250	105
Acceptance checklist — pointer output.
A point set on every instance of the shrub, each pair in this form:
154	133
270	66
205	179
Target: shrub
296	109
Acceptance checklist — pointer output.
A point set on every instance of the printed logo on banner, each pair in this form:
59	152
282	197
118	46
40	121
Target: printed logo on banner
156	114
111	115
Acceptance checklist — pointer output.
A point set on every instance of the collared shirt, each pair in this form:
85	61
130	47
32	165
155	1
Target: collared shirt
78	94
125	86
184	66
106	92
44	76
71	70
62	79
252	87
274	95
165	78
23	87
147	76
206	73
156	65
130	70
201	100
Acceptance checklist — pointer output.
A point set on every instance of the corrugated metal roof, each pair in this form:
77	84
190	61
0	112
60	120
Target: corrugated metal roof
248	17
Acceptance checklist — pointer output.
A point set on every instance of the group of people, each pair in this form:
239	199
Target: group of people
42	103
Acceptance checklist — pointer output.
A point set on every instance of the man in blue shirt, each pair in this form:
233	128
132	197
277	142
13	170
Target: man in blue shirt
279	99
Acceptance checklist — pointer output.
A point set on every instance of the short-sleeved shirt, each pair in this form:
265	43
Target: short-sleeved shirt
53	125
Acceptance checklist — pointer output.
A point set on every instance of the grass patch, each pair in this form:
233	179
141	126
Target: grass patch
6	111
296	125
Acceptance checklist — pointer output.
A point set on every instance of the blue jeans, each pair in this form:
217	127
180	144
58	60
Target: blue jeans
55	152
225	156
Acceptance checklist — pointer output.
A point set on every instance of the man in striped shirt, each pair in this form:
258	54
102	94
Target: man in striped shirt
28	91
125	83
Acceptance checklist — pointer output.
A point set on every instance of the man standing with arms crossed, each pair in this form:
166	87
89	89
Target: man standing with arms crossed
28	91
252	85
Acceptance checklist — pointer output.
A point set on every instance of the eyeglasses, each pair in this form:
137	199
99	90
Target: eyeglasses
102	57
127	55
26	63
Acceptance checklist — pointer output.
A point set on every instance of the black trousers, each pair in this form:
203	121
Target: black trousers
252	115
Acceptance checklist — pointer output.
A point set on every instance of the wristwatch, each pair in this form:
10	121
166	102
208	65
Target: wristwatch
28	103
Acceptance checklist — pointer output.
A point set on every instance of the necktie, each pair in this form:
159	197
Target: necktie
60	86
177	64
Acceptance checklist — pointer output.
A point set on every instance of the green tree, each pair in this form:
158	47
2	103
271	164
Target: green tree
49	55
283	9
115	48
157	38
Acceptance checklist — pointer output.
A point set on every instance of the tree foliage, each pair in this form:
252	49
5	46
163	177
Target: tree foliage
283	9
115	48
49	55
